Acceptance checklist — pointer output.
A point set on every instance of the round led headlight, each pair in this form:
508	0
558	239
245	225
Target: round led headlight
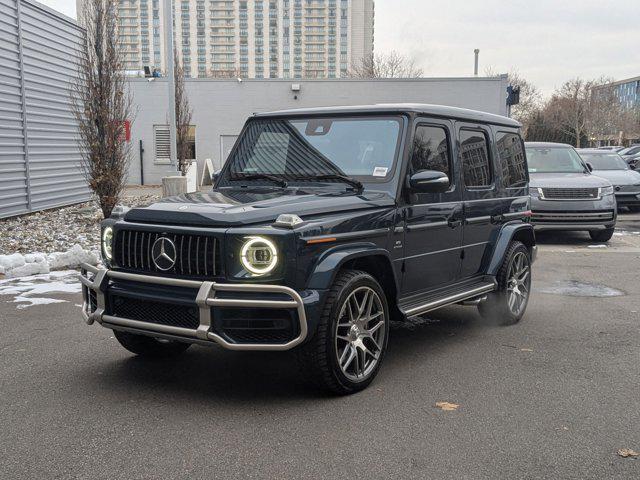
259	255
107	242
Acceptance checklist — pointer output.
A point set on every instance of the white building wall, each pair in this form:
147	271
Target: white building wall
220	107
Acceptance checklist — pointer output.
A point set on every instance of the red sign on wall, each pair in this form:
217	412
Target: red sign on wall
125	133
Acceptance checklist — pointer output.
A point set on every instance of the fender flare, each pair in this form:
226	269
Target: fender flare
524	232
327	267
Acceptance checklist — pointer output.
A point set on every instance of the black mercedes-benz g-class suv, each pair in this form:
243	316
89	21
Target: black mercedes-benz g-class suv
323	226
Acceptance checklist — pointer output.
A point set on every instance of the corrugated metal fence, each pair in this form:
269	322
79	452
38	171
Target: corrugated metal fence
39	153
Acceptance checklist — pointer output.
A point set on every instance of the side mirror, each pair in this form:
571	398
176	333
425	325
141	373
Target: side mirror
589	167
214	177
632	166
429	181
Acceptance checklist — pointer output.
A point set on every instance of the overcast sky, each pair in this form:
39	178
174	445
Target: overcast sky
547	41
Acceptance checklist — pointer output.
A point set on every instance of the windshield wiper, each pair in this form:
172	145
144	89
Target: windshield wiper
343	178
259	176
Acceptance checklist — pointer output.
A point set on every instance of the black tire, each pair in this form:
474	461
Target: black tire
602	235
149	346
496	308
318	357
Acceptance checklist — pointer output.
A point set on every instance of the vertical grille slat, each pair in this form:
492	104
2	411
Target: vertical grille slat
196	255
189	255
215	260
206	259
135	250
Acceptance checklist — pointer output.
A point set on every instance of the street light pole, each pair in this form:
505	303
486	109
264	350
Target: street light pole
171	93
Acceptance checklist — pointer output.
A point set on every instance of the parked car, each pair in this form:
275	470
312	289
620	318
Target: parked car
565	195
615	148
625	181
629	152
632	161
323	225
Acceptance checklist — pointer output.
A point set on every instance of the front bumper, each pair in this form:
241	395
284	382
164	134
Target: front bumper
573	215
95	291
625	199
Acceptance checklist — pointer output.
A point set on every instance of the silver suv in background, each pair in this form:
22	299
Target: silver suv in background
565	195
610	166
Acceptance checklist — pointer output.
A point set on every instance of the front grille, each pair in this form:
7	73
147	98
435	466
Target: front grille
196	255
539	217
160	313
570	193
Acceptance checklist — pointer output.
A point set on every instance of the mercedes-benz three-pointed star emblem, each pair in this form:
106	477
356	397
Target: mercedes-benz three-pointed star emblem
163	254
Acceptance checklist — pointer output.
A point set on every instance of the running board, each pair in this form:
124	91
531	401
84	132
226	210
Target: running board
428	305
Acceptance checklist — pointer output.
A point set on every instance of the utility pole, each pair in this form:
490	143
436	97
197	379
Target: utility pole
475	67
171	93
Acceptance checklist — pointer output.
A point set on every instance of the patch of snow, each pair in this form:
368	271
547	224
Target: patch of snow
18	265
32	290
31	301
597	246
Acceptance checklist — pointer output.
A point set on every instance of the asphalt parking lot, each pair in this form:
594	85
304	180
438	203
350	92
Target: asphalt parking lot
555	396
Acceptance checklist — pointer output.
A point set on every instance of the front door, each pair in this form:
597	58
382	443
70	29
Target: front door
433	221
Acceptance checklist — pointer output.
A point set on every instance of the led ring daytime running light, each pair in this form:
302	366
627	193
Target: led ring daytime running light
265	244
107	242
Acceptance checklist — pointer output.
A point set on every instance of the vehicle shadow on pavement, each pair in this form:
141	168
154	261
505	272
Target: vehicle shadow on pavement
216	374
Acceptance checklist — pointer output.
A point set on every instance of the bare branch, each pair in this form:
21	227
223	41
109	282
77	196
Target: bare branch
386	65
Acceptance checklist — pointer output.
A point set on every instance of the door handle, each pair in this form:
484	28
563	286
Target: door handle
497	218
454	222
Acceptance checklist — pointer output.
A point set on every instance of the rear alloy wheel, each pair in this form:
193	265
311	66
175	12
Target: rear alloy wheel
349	345
507	305
149	346
602	235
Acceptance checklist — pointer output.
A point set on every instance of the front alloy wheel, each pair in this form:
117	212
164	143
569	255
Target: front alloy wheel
349	345
360	334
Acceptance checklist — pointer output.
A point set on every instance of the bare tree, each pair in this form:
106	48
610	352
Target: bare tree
183	116
386	65
569	109
531	101
608	118
588	110
101	104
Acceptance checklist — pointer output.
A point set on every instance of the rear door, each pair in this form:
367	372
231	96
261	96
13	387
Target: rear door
433	222
483	208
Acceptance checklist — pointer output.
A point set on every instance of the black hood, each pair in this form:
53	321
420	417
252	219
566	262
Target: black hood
235	207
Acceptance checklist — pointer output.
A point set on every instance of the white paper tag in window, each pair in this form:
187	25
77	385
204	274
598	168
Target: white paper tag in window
380	171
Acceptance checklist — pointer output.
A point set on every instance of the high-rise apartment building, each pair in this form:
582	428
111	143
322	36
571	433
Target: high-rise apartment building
250	38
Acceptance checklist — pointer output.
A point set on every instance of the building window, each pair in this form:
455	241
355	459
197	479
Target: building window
161	144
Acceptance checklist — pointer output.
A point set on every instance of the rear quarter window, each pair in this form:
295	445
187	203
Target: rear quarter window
513	162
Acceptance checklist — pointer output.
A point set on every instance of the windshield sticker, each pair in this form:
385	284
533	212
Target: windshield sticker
380	171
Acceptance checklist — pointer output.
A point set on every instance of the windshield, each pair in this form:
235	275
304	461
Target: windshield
629	151
299	149
605	161
554	160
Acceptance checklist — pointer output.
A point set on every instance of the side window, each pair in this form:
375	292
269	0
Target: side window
430	150
474	152
513	163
